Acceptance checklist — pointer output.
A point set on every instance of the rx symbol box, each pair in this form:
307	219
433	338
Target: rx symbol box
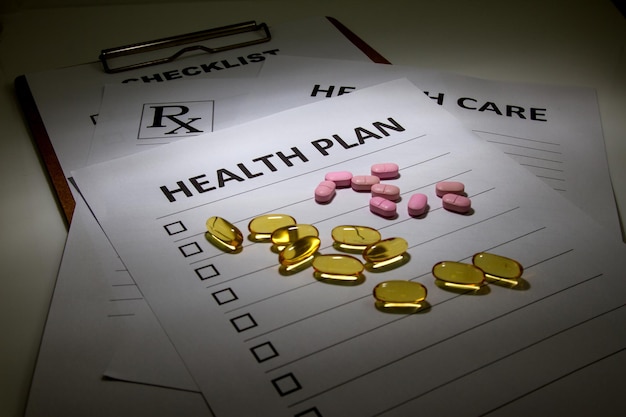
176	120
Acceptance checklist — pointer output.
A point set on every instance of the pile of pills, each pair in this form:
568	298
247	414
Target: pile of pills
384	197
298	244
298	247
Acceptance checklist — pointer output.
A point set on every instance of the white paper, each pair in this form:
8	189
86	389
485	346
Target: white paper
290	344
553	131
92	307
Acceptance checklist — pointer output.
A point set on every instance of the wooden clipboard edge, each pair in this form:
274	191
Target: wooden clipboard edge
44	145
358	42
49	158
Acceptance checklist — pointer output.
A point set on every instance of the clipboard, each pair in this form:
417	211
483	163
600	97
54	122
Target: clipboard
182	44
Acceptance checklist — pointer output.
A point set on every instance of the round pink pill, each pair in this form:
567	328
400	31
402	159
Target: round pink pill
388	191
456	203
449	187
364	182
385	171
417	204
325	191
383	207
340	178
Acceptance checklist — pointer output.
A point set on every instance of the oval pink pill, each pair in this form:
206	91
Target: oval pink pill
325	191
449	187
417	204
456	203
364	182
340	178
388	191
385	171
382	207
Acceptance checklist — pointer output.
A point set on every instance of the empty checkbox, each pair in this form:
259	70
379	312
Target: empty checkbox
207	271
264	352
190	249
224	296
174	228
311	412
286	384
243	323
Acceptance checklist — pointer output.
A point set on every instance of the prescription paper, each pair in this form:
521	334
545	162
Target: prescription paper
297	346
135	117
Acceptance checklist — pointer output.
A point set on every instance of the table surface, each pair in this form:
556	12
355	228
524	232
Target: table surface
558	42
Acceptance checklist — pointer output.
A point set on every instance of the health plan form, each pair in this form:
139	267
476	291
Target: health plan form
260	341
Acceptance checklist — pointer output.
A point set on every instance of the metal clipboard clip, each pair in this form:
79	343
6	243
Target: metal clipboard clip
165	50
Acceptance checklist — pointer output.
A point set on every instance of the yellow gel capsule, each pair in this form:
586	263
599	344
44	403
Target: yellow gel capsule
400	294
289	234
339	267
354	237
262	227
385	252
299	252
223	234
459	275
498	267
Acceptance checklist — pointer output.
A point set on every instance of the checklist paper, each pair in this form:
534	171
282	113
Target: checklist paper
261	342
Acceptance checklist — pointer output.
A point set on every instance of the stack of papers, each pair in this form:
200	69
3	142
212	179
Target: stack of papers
149	317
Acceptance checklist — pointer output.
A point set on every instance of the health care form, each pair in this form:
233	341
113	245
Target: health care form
258	341
553	131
